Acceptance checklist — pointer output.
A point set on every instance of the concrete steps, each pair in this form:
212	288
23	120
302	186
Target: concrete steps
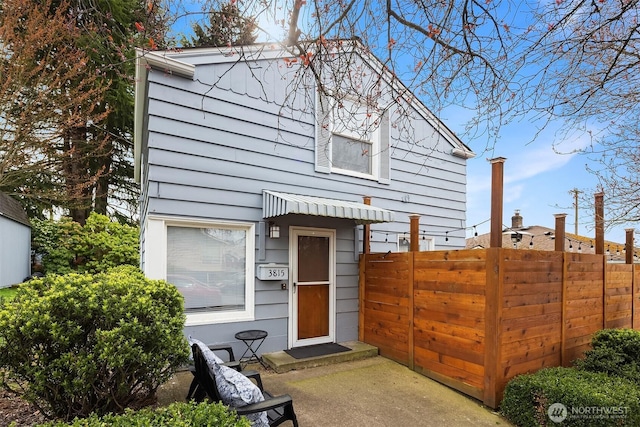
282	362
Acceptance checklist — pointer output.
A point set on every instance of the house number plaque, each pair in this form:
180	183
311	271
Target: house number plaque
273	272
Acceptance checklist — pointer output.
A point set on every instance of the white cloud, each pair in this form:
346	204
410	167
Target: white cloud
532	162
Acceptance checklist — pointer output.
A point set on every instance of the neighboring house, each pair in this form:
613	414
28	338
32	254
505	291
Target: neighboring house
252	189
542	238
15	242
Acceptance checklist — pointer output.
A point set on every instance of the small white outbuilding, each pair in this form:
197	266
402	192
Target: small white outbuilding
15	242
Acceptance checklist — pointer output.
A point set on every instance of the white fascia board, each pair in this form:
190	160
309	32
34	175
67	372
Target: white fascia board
160	61
221	55
463	153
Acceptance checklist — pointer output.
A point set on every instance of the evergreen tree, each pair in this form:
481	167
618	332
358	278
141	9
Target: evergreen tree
67	101
227	27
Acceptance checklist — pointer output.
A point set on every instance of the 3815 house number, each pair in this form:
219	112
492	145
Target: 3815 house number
273	272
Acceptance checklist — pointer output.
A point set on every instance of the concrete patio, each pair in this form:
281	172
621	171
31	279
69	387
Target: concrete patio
372	392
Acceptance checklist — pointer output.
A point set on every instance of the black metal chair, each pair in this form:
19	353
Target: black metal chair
196	392
278	408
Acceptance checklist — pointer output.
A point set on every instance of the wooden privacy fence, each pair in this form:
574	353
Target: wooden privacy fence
474	319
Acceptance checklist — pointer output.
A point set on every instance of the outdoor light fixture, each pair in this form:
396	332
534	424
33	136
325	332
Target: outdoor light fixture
274	231
516	237
403	243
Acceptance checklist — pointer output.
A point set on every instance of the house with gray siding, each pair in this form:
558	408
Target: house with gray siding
15	242
258	172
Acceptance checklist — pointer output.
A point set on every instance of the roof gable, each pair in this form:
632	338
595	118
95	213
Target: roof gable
183	63
12	209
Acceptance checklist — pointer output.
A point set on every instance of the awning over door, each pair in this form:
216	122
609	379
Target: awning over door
276	204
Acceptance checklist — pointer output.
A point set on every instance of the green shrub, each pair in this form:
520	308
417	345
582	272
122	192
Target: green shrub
614	352
65	246
591	398
81	343
175	415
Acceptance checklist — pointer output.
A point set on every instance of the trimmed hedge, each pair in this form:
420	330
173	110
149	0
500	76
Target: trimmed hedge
80	343
175	415
591	398
614	352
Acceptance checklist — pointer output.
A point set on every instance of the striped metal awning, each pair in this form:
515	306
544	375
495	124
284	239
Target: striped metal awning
276	204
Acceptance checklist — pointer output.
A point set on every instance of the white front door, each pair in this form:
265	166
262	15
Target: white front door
312	286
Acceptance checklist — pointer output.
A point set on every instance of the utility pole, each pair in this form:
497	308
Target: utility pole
575	192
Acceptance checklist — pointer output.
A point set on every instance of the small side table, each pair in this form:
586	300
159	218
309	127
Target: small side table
250	338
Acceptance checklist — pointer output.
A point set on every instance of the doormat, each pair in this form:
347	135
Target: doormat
316	350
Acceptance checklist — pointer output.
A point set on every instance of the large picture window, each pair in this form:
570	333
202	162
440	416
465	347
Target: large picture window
211	264
208	266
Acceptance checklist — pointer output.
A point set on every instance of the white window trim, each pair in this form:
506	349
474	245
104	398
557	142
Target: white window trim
374	153
325	126
156	263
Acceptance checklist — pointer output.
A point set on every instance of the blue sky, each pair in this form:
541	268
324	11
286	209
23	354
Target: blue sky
537	181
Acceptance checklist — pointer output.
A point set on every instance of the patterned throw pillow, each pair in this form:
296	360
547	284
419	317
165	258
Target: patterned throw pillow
209	355
236	391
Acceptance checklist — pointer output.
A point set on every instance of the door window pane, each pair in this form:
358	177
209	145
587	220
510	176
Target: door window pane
208	266
313	259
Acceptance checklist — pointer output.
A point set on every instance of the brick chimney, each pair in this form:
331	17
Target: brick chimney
516	220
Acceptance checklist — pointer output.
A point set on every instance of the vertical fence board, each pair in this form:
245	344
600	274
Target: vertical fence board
492	330
636	297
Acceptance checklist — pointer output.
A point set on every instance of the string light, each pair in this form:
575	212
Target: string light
580	247
570	244
432	233
617	250
531	243
608	251
591	244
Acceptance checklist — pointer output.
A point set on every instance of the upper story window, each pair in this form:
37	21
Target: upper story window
352	138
